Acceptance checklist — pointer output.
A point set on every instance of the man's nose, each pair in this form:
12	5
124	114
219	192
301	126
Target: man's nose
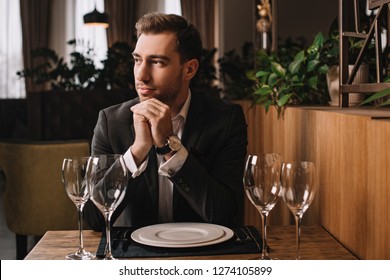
142	72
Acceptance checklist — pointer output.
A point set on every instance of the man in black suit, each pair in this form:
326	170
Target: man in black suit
184	149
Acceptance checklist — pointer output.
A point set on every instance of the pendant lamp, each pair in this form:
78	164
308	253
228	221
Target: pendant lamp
96	18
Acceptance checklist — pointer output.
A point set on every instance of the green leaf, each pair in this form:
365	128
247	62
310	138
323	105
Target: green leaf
264	80
250	75
264	90
294	79
294	67
312	82
273	80
278	69
297	84
387	102
319	39
267	105
262	74
262	100
317	43
312	65
283	90
284	100
300	56
323	69
377	95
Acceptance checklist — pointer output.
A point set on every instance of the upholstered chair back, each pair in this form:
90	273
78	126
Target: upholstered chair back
34	197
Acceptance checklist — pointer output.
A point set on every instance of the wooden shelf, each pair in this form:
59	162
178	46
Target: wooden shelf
365	88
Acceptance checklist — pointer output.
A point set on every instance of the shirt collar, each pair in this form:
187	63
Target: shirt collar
184	109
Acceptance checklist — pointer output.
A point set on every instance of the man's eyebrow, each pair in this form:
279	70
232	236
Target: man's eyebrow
163	57
153	56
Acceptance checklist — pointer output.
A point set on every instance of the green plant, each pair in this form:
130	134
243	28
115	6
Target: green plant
206	74
235	72
116	73
331	55
292	78
331	48
81	72
381	97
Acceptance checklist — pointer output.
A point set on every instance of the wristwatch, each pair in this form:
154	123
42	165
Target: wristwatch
173	145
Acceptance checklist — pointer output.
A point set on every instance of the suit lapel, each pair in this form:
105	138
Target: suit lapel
195	122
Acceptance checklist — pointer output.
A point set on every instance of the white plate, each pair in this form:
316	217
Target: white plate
181	235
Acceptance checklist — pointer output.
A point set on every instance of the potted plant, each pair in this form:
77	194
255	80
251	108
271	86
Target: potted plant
206	75
81	73
381	98
291	77
235	69
77	90
330	56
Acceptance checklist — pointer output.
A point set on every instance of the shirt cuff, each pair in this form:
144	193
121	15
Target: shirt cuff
171	166
131	166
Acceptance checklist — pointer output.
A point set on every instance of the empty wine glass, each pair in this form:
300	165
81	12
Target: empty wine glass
74	177
108	183
299	184
262	186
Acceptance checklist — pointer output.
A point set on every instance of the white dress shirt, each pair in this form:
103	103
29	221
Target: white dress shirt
174	164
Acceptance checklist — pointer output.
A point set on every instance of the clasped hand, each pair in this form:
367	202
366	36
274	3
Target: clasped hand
152	125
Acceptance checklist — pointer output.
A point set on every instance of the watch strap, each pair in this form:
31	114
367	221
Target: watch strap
163	150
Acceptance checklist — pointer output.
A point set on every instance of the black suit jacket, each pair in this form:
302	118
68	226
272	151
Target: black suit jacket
208	188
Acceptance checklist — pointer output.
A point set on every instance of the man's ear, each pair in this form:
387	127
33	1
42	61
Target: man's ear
190	68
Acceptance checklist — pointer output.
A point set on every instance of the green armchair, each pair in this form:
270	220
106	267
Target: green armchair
34	197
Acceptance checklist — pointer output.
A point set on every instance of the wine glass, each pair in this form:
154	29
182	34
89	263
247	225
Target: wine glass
262	186
299	184
108	183
74	177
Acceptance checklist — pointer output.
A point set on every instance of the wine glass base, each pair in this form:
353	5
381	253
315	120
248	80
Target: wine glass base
109	259
83	255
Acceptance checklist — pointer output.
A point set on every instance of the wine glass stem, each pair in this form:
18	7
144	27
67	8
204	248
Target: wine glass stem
298	220
81	239
264	252
108	236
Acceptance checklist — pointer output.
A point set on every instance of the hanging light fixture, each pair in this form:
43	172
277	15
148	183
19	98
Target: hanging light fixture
96	18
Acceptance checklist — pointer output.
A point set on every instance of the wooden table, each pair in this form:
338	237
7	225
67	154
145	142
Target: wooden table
316	244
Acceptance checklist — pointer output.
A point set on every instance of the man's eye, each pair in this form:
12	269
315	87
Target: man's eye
136	60
158	62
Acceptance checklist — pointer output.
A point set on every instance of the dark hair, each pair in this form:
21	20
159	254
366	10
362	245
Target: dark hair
189	44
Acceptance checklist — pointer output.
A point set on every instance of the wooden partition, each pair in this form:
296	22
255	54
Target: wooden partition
350	151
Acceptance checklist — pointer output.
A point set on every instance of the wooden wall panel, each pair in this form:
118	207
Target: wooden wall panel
378	190
288	136
349	149
343	159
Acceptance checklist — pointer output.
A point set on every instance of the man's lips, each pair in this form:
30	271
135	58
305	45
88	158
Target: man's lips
145	90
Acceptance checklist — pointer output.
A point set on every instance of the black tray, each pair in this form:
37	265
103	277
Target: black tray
124	247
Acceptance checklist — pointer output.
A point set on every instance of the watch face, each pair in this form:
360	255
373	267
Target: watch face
174	143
